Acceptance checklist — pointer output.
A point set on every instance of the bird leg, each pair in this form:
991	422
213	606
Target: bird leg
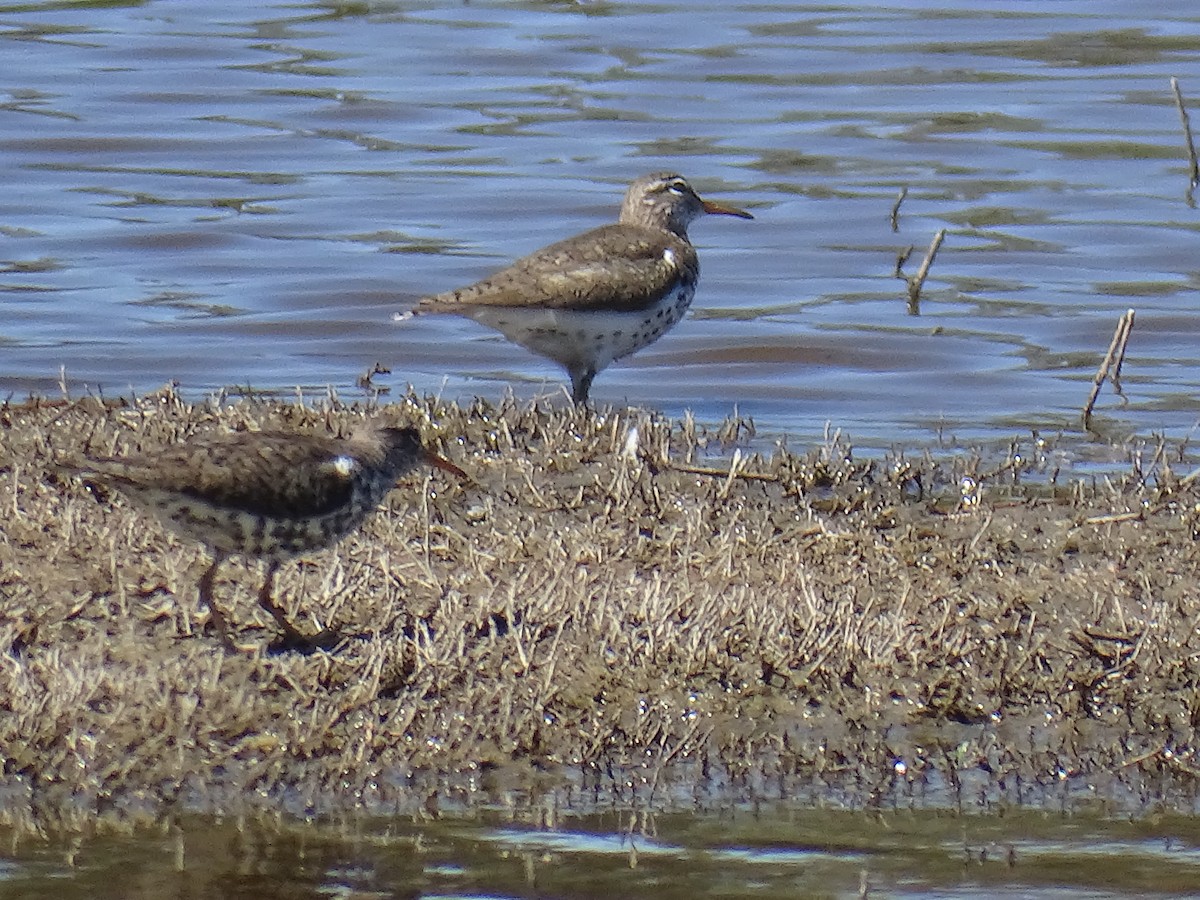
214	612
293	638
267	602
581	384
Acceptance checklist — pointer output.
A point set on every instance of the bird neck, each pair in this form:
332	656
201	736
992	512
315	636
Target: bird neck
655	220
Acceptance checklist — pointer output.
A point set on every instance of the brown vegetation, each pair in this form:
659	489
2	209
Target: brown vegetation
603	597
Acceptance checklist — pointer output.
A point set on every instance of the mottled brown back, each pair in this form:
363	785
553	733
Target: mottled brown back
616	268
278	475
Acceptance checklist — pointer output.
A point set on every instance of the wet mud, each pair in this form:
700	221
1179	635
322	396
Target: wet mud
614	605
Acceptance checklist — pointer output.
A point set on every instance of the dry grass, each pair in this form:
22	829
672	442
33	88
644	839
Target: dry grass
601	602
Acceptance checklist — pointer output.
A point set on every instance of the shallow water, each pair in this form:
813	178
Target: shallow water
729	852
233	194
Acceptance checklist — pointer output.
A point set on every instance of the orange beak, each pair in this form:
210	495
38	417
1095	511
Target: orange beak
720	209
438	463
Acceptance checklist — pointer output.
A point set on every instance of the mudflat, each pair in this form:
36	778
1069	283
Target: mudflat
610	592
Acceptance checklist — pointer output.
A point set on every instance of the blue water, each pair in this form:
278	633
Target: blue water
230	194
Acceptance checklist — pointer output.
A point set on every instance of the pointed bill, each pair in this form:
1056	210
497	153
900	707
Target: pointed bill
444	464
722	209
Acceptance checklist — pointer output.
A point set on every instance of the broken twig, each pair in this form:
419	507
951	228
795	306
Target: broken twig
1193	165
916	282
735	470
895	216
1111	367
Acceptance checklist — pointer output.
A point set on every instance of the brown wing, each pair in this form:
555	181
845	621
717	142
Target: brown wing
260	472
617	267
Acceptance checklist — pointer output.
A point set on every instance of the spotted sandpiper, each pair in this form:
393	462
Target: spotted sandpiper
269	495
601	295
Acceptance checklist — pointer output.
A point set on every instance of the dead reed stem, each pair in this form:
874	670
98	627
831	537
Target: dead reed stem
735	470
1111	367
895	216
916	282
1193	165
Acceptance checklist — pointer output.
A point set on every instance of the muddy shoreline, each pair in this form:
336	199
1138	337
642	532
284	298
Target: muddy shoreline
603	608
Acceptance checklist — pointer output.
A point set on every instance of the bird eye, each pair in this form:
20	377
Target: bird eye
678	186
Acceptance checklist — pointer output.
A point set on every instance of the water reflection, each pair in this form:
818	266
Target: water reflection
732	852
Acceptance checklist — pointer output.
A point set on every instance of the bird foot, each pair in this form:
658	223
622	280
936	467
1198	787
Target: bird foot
237	649
294	641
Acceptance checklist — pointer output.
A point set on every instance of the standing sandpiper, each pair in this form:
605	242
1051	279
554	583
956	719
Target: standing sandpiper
602	295
269	495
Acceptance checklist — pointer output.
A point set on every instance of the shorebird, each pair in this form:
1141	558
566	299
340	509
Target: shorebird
266	495
599	296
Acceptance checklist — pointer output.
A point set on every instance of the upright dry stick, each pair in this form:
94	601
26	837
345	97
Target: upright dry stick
1112	361
895	216
1123	327
1193	165
918	281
